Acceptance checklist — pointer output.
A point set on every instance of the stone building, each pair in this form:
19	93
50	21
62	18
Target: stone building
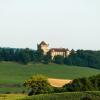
53	51
59	51
43	46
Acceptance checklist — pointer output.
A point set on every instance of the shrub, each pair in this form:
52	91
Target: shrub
84	84
57	89
38	84
86	98
81	84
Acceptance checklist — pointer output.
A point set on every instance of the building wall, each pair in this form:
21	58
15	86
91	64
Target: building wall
53	53
44	48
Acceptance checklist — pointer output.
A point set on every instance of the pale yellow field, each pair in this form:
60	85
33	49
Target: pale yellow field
11	96
58	82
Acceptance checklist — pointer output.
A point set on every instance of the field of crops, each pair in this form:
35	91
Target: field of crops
11	96
56	96
66	96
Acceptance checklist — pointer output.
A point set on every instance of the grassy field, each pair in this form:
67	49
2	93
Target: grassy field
11	96
17	73
66	96
14	73
55	96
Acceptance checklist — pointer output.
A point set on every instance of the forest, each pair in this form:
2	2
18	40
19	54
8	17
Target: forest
83	58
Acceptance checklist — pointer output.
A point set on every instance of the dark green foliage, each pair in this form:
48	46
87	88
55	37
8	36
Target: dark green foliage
59	59
86	98
46	59
38	84
21	55
84	58
24	56
84	84
38	56
58	89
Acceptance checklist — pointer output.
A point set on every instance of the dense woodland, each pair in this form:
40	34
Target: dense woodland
87	58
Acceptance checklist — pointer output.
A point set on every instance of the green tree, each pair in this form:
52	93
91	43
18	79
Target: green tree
47	59
38	84
39	56
59	59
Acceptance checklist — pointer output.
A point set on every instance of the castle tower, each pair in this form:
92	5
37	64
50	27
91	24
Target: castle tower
43	46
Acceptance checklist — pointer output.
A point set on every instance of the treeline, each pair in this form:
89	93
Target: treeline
18	55
23	56
81	58
87	58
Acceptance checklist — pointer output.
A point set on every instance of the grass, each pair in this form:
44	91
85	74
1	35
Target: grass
54	96
14	73
11	96
66	96
18	73
9	90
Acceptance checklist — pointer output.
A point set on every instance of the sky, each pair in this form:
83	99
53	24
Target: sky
73	24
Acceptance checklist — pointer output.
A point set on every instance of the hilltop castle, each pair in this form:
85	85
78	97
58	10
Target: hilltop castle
53	51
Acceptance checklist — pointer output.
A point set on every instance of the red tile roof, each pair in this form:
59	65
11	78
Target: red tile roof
59	49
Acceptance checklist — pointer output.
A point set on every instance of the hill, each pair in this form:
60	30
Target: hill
12	74
16	73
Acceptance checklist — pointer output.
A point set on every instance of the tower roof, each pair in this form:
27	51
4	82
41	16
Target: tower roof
43	43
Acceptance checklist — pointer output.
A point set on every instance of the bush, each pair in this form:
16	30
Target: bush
86	98
57	89
38	84
84	84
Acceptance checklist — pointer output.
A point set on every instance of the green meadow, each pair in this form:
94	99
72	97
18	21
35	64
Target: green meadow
17	73
13	73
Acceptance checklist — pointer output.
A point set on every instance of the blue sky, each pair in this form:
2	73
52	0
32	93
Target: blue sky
62	23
